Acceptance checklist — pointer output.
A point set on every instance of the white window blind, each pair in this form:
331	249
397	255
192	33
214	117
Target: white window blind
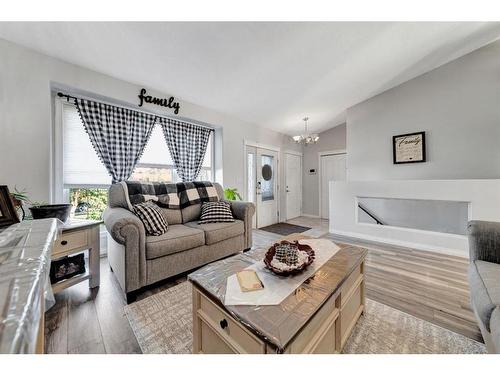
81	165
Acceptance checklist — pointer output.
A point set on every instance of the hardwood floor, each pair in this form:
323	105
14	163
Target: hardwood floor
430	286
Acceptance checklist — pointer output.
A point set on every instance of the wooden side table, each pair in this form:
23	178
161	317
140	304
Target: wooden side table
77	236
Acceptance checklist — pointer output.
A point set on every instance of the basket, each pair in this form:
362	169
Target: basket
268	258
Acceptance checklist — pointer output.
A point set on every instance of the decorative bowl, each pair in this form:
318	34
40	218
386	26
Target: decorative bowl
271	252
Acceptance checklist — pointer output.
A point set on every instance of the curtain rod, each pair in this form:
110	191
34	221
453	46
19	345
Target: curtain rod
68	97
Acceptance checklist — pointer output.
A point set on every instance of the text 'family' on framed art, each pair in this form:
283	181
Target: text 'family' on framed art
408	148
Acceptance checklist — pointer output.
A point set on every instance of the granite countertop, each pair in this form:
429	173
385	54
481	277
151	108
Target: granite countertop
25	250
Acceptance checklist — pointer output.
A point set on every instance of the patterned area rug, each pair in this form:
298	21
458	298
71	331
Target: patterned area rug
285	229
162	324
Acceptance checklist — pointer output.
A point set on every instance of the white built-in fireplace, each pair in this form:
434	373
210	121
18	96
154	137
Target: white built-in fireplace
424	214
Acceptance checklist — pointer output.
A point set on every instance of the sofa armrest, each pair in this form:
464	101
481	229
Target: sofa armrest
244	211
495	329
117	221
128	230
484	241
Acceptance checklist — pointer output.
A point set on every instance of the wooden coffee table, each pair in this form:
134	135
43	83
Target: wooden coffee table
317	318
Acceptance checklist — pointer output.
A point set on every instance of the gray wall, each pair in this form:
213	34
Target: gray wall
330	140
26	119
457	104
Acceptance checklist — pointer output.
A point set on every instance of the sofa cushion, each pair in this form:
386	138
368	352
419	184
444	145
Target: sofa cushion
172	215
484	280
178	238
216	212
216	232
191	213
152	217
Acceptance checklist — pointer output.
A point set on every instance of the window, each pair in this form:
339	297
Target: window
267	187
156	163
85	179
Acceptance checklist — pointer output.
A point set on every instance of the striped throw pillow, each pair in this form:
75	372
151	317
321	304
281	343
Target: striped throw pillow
152	218
216	212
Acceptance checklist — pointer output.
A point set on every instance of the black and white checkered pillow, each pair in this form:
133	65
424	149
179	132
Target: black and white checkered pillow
216	212
152	218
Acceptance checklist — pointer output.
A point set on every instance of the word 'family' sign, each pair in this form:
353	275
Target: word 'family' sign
162	102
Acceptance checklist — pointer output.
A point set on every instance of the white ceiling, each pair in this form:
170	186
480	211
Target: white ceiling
271	74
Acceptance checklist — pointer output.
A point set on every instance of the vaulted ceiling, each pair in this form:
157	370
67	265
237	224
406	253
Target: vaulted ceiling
271	74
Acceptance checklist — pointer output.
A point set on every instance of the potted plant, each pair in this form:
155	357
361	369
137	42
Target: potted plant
231	194
19	198
40	210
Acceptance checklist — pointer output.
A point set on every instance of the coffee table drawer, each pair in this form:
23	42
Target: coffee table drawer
229	330
351	282
315	336
327	342
70	241
211	342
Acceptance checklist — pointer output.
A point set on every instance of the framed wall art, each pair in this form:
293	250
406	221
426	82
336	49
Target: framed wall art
8	214
408	148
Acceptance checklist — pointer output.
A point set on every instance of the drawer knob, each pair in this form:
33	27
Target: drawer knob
64	242
223	323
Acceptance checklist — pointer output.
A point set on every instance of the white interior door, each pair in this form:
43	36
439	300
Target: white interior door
332	168
267	187
293	185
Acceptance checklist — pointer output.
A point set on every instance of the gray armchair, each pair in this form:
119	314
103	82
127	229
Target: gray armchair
484	279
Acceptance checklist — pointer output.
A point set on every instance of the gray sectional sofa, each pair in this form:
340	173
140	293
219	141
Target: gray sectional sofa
139	260
484	279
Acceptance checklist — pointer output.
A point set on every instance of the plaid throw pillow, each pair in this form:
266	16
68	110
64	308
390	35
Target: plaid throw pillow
152	218
216	212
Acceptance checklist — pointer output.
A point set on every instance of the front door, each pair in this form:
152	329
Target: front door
267	187
293	186
333	168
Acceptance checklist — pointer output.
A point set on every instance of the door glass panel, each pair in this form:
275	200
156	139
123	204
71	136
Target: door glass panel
267	181
251	177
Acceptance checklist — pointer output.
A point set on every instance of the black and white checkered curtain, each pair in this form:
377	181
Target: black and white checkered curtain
187	144
118	135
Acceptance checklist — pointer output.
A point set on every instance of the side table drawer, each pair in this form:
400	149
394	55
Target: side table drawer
70	241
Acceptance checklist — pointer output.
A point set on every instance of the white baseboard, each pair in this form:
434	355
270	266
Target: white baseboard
412	245
313	216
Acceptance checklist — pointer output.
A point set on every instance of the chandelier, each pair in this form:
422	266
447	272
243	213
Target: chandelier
306	138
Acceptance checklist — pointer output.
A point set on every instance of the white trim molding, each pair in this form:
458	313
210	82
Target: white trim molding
408	244
481	195
246	142
311	216
292	152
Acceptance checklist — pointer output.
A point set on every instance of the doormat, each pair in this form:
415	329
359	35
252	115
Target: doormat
285	229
